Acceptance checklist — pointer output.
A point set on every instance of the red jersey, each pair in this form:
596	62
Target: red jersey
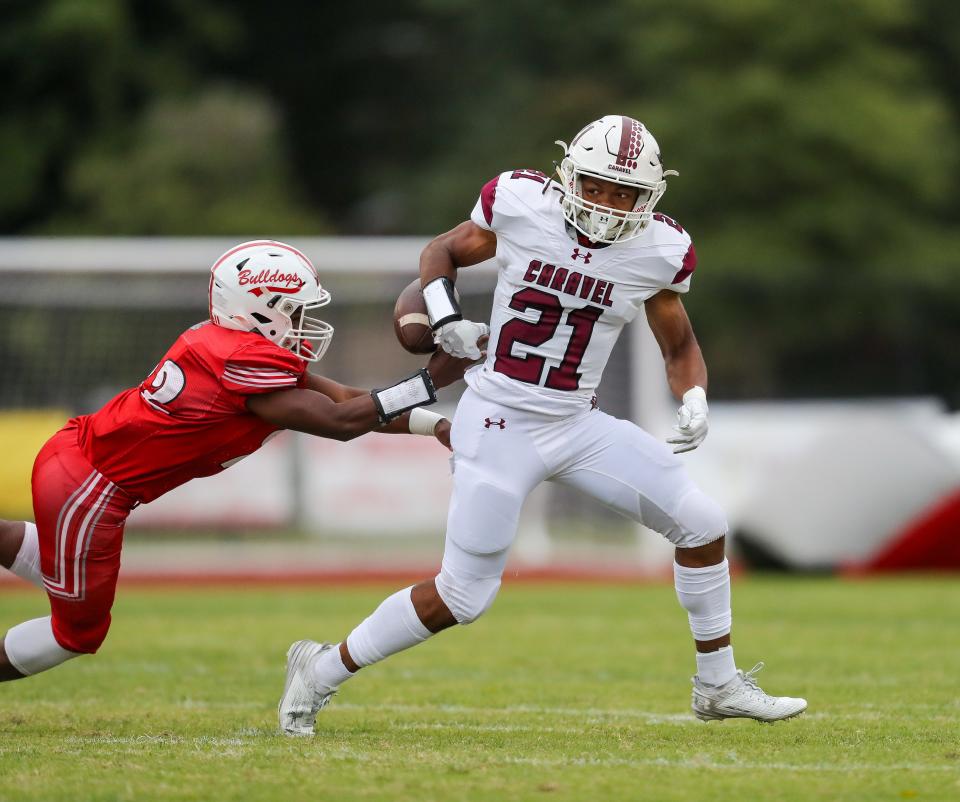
189	417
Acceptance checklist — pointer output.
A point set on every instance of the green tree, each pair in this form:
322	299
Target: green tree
207	165
115	129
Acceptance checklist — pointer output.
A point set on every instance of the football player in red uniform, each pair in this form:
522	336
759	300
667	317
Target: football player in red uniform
224	387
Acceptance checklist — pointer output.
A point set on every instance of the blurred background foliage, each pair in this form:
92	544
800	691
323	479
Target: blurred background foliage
818	145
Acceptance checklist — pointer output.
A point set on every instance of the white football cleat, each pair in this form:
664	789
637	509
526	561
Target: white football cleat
741	697
300	703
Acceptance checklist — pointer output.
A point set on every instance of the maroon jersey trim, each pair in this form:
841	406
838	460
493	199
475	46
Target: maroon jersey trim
689	265
487	196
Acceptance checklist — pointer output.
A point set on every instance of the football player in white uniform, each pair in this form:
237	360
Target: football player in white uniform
577	260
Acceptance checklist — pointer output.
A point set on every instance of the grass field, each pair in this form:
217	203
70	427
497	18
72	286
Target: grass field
560	693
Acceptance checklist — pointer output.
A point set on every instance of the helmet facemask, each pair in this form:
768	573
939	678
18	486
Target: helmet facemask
604	223
307	336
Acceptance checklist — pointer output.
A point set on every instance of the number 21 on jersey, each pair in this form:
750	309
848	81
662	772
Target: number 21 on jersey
529	367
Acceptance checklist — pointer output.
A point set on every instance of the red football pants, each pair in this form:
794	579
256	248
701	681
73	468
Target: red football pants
80	515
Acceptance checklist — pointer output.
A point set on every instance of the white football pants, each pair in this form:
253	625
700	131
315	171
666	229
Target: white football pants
501	454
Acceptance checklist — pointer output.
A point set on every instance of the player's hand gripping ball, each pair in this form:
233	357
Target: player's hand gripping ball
410	321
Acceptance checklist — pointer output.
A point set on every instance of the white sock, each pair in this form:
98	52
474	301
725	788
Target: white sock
31	647
329	672
391	628
716	668
26	564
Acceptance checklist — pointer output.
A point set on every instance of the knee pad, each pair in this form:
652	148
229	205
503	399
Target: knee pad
467	597
699	520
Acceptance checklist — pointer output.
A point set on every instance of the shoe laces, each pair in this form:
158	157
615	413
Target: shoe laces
321	700
749	680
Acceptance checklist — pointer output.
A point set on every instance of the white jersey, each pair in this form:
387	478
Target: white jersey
561	302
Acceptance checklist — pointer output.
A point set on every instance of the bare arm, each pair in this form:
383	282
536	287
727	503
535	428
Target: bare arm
340	393
333	390
315	413
330	409
670	325
465	245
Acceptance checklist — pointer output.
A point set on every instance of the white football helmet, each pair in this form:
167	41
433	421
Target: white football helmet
619	149
269	287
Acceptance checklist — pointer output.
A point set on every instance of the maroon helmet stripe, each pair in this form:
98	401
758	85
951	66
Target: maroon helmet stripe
487	195
630	142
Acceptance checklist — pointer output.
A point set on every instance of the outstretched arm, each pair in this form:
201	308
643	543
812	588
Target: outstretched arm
330	409
443	371
333	390
315	413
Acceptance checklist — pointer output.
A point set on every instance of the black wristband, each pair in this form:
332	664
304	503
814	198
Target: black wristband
415	391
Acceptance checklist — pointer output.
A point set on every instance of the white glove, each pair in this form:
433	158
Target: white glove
691	421
459	338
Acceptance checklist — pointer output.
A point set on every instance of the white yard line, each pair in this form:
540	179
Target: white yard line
925	712
695	762
868	713
647	716
525	710
734	765
456	725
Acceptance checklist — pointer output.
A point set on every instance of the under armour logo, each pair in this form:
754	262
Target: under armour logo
577	255
487	423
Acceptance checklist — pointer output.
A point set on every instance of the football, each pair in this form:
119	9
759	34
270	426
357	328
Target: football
410	321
